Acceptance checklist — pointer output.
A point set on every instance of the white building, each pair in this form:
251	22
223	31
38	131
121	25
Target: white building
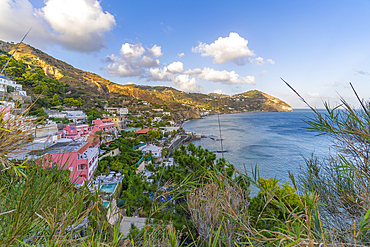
75	116
172	122
58	115
116	110
158	110
157	119
7	103
156	151
169	129
5	82
167	113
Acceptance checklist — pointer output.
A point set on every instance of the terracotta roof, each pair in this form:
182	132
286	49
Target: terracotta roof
83	148
143	131
90	139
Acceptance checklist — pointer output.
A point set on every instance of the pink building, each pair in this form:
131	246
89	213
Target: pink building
106	125
80	158
73	132
6	111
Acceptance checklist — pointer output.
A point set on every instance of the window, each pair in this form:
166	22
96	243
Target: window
82	167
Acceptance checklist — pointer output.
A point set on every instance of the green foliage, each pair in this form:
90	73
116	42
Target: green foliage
188	161
55	100
153	135
94	114
33	79
38	113
342	180
127	158
74	102
269	215
64	120
30	205
10	89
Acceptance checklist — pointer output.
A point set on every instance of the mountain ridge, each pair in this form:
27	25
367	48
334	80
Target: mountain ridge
182	104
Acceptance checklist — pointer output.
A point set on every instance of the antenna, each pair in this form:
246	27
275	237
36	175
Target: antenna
219	127
14	52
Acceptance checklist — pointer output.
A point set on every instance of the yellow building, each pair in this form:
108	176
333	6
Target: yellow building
119	122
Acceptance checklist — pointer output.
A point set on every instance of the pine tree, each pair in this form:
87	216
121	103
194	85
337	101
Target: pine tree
55	100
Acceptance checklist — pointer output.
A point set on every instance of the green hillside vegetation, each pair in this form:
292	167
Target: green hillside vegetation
200	200
97	91
33	80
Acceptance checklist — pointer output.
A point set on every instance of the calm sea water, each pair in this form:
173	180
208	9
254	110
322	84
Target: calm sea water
275	141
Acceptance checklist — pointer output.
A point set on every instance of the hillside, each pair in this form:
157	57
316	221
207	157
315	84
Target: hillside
96	90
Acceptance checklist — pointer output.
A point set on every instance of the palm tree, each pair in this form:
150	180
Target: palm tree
164	153
101	136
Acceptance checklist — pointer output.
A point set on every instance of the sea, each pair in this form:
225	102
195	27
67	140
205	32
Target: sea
275	142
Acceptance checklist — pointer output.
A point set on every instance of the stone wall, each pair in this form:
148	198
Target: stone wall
46	130
112	153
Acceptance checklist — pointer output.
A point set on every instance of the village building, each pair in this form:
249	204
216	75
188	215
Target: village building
74	116
80	158
155	150
157	119
119	122
105	125
5	82
143	131
116	110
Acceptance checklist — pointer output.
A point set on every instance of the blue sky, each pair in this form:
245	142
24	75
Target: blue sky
206	46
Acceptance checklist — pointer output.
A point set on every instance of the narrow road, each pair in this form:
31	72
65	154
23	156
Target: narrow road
176	143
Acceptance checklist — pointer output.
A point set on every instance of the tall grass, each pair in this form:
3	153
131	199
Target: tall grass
326	205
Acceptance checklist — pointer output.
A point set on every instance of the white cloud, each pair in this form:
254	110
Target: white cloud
167	29
218	91
181	55
17	17
173	74
131	52
336	84
133	60
155	51
361	72
167	73
148	62
78	25
158	74
195	71
175	67
185	83
225	77
263	72
229	49
259	61
270	61
314	95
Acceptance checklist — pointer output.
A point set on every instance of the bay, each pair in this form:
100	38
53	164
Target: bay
274	141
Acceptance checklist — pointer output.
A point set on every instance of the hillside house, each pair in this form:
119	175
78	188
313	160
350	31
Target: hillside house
5	82
155	150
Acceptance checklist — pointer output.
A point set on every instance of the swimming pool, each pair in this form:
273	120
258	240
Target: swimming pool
105	204
108	188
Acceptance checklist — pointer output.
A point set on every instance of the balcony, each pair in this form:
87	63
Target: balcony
82	168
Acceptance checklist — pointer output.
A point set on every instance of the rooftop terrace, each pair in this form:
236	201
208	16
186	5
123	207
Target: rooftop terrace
60	147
